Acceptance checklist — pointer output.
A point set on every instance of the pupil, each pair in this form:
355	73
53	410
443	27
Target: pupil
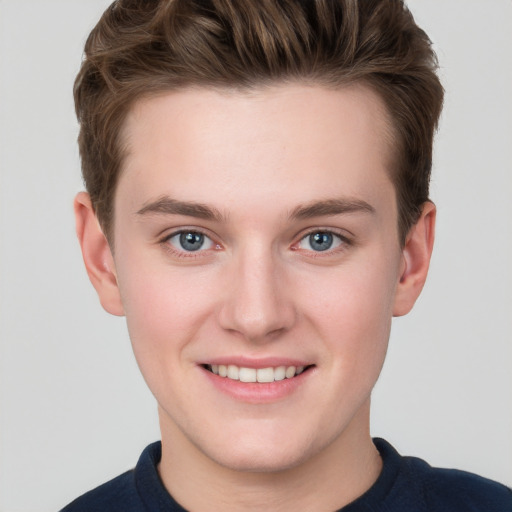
191	241
321	241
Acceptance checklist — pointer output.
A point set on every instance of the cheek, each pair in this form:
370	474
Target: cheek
164	307
164	315
352	308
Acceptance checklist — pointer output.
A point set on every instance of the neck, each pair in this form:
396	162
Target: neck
331	479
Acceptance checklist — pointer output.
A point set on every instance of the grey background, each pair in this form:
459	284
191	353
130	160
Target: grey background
74	410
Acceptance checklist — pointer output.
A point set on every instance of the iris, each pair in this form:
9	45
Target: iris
321	241
191	241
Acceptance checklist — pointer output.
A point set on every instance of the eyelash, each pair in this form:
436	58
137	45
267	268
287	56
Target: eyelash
177	253
344	243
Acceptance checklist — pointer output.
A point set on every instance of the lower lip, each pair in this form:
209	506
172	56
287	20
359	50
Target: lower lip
258	392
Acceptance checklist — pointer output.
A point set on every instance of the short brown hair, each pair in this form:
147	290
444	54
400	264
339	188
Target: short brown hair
141	48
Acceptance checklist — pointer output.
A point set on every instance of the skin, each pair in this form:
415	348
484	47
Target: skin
258	289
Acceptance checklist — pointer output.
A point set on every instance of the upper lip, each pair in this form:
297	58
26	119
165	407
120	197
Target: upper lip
265	362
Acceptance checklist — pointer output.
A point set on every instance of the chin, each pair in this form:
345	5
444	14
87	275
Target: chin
260	459
262	453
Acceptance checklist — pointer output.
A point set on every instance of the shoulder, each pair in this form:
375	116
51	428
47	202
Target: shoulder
128	492
116	495
446	489
460	490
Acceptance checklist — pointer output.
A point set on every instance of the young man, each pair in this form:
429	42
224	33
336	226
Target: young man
257	207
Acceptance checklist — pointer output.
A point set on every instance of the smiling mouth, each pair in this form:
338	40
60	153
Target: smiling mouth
243	374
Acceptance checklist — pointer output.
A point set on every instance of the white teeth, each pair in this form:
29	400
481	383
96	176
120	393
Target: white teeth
265	375
233	372
247	375
280	373
256	375
290	372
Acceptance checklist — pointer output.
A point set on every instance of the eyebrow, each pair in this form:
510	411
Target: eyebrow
168	206
331	207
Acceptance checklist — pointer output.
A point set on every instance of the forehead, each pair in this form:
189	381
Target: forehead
305	140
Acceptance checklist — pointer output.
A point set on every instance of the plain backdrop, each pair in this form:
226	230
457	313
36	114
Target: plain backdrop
74	410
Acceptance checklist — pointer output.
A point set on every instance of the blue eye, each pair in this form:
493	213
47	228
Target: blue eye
190	241
320	241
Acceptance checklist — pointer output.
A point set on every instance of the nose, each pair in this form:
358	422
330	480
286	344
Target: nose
257	301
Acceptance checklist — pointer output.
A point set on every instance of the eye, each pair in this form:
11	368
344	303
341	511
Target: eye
190	241
320	241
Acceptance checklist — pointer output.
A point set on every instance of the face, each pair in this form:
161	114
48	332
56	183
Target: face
256	236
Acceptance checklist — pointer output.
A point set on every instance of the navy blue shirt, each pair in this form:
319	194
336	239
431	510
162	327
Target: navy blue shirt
406	484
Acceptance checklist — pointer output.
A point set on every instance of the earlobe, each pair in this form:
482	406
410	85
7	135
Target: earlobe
97	255
415	260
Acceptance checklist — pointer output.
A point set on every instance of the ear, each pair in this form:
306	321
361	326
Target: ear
415	260
97	255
